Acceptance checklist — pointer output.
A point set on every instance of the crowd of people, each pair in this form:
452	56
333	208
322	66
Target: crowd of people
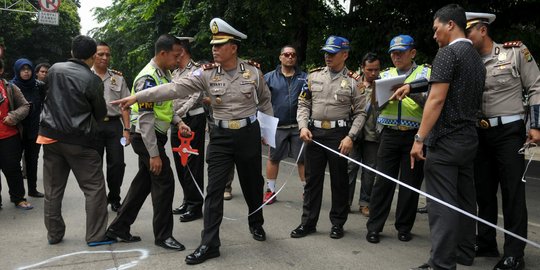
457	124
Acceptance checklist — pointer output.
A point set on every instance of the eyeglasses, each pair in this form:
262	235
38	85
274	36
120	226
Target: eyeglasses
289	54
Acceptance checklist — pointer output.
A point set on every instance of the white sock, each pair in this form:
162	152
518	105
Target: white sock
271	183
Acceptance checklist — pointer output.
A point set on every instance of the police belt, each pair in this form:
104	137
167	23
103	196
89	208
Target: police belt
329	124
486	123
111	118
195	111
401	128
236	124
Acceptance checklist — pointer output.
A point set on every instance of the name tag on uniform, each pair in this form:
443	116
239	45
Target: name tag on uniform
247	82
219	84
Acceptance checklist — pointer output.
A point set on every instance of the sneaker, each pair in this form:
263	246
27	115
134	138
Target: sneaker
267	195
227	195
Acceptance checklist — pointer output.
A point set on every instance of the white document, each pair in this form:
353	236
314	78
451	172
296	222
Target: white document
383	88
268	128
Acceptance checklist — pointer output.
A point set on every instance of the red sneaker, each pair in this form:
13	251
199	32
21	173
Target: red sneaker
267	195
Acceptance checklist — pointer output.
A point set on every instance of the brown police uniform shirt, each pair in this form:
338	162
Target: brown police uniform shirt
114	88
236	97
509	68
333	99
183	105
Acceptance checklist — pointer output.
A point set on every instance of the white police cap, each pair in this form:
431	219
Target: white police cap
188	39
479	17
222	32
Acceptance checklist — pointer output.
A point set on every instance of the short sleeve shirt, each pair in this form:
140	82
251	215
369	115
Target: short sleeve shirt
460	65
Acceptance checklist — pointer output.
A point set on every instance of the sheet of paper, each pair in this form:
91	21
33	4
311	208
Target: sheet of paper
268	128
383	88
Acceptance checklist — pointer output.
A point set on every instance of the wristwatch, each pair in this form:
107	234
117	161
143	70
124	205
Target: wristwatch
418	138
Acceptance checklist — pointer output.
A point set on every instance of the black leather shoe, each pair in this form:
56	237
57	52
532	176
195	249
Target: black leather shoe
487	252
36	194
115	206
424	266
190	215
180	210
336	232
422	210
122	236
513	263
404	236
170	243
302	231
202	254
373	237
258	233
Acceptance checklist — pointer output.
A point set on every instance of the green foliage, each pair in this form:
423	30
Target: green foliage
24	37
131	27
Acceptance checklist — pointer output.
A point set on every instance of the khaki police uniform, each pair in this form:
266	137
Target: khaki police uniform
148	141
235	140
332	108
111	131
511	72
365	149
190	111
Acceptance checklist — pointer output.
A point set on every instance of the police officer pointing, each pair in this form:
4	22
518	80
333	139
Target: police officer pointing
237	90
512	74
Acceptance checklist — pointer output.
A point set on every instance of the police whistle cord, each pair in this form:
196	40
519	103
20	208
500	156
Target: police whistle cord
276	193
430	196
526	148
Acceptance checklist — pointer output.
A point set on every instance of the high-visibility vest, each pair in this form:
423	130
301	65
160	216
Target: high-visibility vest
163	111
405	112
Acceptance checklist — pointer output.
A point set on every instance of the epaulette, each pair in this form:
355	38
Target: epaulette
354	75
253	63
316	69
116	72
196	63
210	66
511	44
426	65
386	69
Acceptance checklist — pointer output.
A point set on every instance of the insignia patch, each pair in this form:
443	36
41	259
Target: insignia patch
116	72
305	93
149	83
344	83
210	66
527	55
246	74
113	81
511	44
354	75
253	63
146	106
502	57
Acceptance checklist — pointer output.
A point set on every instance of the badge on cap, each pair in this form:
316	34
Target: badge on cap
214	28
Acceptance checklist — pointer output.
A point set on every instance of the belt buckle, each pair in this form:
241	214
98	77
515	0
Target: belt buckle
234	124
483	124
403	128
106	119
326	124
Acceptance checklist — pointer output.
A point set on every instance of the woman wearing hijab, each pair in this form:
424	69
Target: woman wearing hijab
13	109
33	91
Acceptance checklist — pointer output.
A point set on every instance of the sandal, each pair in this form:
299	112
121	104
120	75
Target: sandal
24	205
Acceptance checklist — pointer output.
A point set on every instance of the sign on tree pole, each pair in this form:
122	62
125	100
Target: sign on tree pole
48	13
49	5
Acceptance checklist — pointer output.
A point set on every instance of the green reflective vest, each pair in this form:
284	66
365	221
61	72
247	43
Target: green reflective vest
405	112
163	111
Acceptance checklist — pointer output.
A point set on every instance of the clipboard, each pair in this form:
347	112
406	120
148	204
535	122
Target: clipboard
383	89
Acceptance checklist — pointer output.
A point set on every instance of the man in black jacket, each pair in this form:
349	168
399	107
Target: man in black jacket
68	133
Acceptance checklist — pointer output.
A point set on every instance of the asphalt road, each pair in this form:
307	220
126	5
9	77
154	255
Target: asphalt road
23	243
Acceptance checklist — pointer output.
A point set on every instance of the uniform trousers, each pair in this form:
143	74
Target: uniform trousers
498	163
393	159
229	147
161	188
365	152
315	164
111	132
192	198
10	164
450	177
87	166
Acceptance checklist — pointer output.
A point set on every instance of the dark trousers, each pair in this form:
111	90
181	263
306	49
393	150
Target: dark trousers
161	188
228	147
498	163
31	155
394	159
450	177
365	152
10	164
192	197
111	132
315	164
87	166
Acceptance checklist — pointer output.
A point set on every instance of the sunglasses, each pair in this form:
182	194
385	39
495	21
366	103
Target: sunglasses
289	54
